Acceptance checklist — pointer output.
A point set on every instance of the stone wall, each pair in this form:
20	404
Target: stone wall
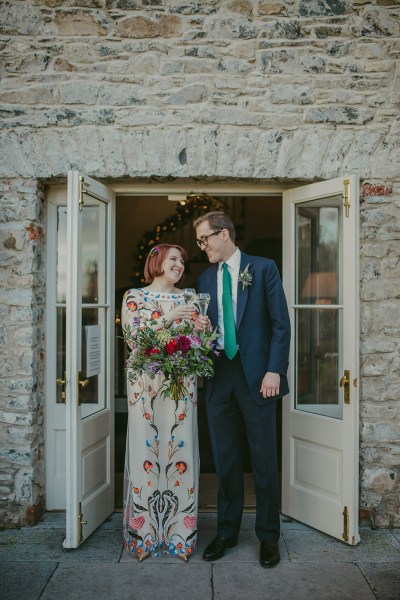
22	316
240	89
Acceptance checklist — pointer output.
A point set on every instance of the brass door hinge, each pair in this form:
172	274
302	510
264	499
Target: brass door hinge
80	523
345	514
346	197
83	188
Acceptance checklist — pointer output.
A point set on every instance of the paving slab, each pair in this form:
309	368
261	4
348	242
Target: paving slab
396	534
384	579
24	579
132	581
291	581
307	544
35	543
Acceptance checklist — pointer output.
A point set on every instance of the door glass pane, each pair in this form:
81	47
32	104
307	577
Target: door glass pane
317	362
61	361
94	223
61	273
93	395
318	284
317	229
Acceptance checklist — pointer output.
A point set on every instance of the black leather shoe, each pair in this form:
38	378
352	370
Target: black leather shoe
216	549
269	554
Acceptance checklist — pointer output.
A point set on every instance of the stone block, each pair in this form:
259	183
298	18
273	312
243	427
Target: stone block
188	95
145	27
227	28
21	19
322	8
234	66
374	22
241	6
80	23
272	9
289	94
379	480
380	431
338	115
284	29
276	61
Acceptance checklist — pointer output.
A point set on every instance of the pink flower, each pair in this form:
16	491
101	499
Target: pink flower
190	522
136	523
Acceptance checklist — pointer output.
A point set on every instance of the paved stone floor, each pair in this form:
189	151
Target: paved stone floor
33	565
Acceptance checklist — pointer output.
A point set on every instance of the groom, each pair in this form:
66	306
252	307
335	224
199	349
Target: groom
249	306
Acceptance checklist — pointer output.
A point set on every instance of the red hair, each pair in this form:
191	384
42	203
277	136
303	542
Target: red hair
155	259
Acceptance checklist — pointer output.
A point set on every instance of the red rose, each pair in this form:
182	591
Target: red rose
147	416
181	416
152	351
171	347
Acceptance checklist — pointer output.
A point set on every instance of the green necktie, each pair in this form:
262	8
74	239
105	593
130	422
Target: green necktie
229	320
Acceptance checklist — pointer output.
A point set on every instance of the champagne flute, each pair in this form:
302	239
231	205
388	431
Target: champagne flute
188	295
202	301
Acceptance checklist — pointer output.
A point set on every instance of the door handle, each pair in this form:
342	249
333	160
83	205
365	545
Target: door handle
82	383
345	384
63	382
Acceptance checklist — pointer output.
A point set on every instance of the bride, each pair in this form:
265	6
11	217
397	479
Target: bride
162	456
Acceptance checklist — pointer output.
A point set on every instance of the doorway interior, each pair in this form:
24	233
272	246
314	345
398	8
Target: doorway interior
258	223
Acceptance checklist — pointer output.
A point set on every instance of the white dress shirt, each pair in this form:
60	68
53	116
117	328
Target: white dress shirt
233	268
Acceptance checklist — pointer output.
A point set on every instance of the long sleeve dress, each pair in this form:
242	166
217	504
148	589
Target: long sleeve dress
162	455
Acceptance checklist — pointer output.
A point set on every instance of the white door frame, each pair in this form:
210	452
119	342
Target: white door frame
121	189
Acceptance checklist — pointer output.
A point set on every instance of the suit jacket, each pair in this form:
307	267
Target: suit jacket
262	323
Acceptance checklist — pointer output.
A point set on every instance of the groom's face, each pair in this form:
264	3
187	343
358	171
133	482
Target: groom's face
213	241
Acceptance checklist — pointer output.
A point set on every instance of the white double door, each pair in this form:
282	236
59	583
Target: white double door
80	325
320	416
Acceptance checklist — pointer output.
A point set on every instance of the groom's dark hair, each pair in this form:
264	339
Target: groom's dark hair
217	220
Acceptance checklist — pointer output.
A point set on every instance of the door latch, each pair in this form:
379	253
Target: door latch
63	382
345	384
82	383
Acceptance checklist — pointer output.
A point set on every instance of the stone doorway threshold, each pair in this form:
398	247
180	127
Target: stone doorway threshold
207	492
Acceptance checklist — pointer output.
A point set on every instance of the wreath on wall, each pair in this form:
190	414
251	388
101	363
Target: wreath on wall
186	210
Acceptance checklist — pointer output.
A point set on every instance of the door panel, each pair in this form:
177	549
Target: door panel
89	357
320	429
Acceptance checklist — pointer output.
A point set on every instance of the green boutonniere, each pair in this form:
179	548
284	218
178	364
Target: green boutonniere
245	277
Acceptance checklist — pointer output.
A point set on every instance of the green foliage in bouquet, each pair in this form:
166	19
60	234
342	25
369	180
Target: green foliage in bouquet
174	352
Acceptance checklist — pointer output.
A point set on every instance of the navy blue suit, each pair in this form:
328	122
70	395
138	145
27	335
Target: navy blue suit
233	395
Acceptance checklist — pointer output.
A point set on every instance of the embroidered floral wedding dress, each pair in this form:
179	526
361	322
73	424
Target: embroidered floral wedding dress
162	456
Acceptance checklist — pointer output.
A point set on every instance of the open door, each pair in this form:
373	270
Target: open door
89	357
320	418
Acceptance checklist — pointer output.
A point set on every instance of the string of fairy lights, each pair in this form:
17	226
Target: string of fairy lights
187	209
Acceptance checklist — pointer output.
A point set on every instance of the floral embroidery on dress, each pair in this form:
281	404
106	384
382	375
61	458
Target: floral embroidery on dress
162	459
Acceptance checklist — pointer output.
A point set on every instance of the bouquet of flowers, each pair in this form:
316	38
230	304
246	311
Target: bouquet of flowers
176	353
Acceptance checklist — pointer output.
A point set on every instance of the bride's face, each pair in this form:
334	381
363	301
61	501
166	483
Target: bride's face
173	265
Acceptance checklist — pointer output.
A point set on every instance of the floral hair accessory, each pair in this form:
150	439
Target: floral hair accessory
154	250
245	277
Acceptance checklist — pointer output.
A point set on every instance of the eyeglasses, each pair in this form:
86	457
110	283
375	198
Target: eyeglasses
203	241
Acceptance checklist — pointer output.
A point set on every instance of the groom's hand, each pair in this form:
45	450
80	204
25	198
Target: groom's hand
270	385
201	323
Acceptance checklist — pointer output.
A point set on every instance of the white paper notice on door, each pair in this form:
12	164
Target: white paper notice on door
93	357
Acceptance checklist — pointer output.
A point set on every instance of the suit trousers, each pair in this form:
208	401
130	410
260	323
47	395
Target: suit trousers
229	407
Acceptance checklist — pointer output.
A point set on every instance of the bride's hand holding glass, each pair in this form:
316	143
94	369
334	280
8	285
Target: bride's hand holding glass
181	311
